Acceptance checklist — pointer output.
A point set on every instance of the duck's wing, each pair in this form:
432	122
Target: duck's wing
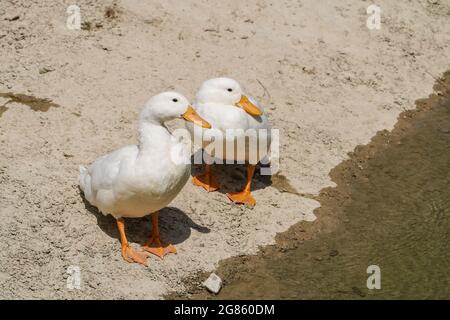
105	170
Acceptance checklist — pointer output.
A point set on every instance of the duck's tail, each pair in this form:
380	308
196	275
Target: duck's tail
85	182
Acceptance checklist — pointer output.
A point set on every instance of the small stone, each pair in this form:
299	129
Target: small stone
213	283
110	13
334	253
216	30
86	25
13	17
358	292
155	22
45	70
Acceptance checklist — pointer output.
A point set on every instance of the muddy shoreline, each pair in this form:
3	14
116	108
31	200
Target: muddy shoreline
331	214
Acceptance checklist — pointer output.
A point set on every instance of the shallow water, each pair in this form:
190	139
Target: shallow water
391	208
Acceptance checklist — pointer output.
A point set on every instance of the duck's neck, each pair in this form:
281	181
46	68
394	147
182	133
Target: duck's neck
153	138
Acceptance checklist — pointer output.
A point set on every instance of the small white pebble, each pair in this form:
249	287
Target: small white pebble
213	283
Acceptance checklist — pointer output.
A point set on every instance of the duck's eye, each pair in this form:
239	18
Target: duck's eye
175	100
230	90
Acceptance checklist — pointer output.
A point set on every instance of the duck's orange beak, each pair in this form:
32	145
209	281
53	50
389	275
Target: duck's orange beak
192	116
249	107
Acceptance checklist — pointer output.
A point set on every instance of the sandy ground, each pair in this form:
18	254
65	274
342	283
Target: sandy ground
331	84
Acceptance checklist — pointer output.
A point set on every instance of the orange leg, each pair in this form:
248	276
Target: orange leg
155	245
206	180
244	196
128	253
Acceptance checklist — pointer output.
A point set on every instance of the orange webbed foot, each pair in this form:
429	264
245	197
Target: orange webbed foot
158	248
207	182
243	197
132	256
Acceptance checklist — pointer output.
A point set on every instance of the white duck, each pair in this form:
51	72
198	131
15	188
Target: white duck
222	103
137	180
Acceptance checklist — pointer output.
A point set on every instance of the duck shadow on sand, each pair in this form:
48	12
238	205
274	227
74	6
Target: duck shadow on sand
174	225
232	177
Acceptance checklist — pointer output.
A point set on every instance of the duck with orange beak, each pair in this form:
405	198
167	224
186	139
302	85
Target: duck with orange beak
231	113
141	179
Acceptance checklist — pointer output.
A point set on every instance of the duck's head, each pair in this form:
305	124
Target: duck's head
226	91
168	106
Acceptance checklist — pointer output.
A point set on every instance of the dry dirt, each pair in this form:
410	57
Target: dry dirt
66	97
